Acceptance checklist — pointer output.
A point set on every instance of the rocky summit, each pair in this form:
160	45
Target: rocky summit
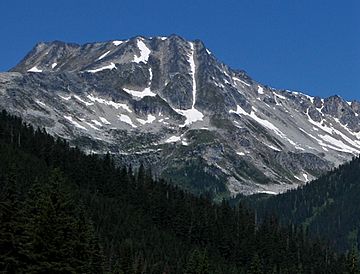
170	104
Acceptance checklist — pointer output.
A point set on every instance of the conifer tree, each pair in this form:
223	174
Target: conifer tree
352	262
197	263
255	266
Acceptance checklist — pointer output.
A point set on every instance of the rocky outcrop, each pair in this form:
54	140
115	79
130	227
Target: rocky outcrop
170	104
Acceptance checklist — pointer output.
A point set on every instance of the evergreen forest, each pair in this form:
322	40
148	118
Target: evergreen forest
62	211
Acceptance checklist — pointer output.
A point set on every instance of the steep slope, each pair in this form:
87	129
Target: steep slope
329	207
170	104
62	211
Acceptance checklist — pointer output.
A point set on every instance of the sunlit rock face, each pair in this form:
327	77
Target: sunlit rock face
170	104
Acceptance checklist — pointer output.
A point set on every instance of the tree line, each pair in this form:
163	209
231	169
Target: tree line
327	207
62	211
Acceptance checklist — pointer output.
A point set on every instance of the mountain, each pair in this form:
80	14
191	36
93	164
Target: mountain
170	104
327	207
62	211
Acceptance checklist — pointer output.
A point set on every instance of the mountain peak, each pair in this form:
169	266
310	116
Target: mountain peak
170	103
75	57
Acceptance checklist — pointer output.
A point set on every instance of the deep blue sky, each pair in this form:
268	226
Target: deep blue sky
311	46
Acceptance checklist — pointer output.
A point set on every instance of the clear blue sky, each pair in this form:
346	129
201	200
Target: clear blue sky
311	46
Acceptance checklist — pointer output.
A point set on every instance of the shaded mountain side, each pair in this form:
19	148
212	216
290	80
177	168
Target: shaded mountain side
64	211
328	207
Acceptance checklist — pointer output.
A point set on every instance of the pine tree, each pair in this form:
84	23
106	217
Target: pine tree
255	266
60	238
126	260
197	263
11	224
353	262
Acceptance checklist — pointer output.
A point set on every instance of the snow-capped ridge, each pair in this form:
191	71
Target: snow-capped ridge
146	97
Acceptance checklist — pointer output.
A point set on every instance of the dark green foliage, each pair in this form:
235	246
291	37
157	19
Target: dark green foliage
184	172
65	212
352	262
197	263
43	230
327	207
255	265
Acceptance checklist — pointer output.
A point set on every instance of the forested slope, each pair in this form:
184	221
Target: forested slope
62	211
328	207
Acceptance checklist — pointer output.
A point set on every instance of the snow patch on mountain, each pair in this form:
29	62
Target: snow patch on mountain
140	94
82	101
40	103
126	119
110	67
103	120
109	103
267	124
151	75
117	42
273	147
97	123
279	96
306	177
76	124
173	139
150	119
65	98
260	90
104	55
241	81
268	192
145	92
184	143
311	98
35	69
329	141
92	126
144	52
340	145
192	115
193	71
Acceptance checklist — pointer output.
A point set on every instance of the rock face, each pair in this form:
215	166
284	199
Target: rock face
170	104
